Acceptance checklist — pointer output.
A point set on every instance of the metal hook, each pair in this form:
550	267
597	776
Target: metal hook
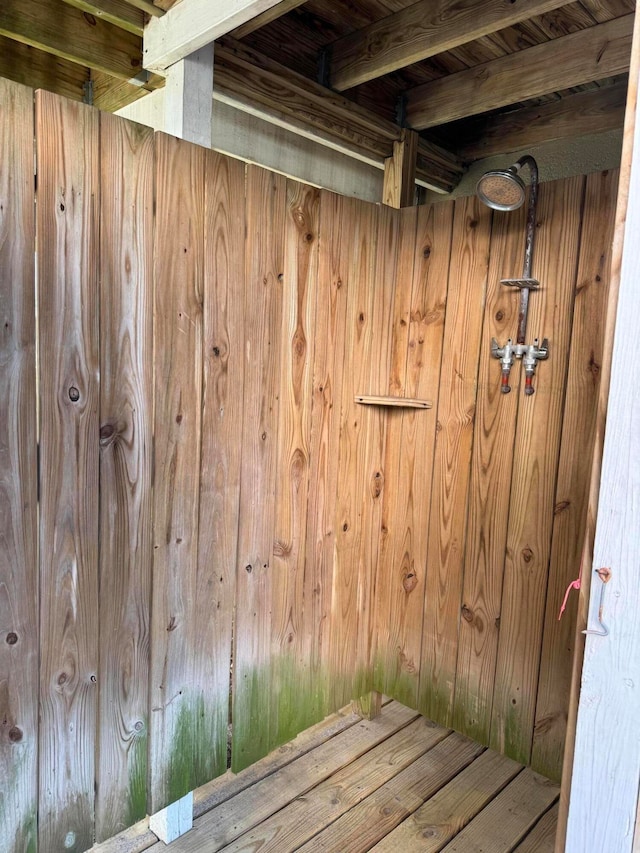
605	577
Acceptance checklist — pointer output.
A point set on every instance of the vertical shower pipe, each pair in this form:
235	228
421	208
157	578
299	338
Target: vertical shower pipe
529	161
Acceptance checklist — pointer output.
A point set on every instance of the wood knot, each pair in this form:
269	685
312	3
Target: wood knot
248	568
561	507
74	394
410	582
527	555
499	316
172	624
426	252
107	432
12	638
15	734
467	613
216	352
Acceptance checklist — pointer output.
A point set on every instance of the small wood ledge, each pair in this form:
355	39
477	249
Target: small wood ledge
400	402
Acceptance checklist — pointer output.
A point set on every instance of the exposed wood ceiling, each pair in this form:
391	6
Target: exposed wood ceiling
474	77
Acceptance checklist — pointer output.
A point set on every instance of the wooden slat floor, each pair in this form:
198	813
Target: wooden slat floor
395	784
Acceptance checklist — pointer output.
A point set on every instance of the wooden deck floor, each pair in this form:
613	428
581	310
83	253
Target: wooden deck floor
395	784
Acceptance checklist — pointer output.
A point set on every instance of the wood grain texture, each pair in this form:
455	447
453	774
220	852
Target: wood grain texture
178	340
535	464
588	55
409	462
422	30
297	700
339	800
542	837
433	824
352	485
66	32
489	491
399	186
508	817
126	457
18	476
451	473
336	230
264	265
68	252
222	400
574	469
224	824
367	822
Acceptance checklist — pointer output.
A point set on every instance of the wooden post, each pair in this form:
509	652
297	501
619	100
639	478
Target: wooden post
398	189
606	764
188	98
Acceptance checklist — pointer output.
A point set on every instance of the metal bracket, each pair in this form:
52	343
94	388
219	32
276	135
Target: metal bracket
603	631
324	67
87	92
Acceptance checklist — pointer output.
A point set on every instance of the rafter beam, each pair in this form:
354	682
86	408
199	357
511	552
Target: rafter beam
65	32
265	18
582	114
40	70
582	57
115	12
191	24
251	81
423	30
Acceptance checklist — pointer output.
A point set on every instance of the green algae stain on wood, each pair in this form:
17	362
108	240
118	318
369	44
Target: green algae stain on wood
274	704
137	789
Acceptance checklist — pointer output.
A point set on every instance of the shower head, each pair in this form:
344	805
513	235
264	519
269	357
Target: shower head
502	189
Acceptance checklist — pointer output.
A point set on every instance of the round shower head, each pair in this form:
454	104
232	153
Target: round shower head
501	189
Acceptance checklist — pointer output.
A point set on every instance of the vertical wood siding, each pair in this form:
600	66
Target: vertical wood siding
230	546
18	476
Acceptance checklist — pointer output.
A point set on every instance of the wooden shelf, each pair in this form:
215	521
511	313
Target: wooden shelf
401	402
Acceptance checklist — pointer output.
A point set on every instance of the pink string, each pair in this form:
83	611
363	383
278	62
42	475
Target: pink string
576	584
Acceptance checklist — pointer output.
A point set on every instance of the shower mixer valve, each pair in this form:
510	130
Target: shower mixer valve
530	354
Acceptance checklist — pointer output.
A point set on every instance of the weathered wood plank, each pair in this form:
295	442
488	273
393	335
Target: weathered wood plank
223	370
18	475
489	490
336	233
588	55
66	32
422	30
535	464
296	696
572	490
508	818
117	12
266	198
368	822
409	464
126	457
343	630
442	816
224	824
451	473
340	798
68	252
178	336
609	703
576	115
542	837
41	70
399	186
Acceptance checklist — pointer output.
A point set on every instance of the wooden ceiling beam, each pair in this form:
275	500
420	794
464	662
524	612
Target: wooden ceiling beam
67	32
573	60
582	114
115	12
41	70
110	94
423	30
265	18
249	80
191	24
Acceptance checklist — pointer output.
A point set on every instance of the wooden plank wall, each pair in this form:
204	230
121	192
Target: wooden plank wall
228	542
